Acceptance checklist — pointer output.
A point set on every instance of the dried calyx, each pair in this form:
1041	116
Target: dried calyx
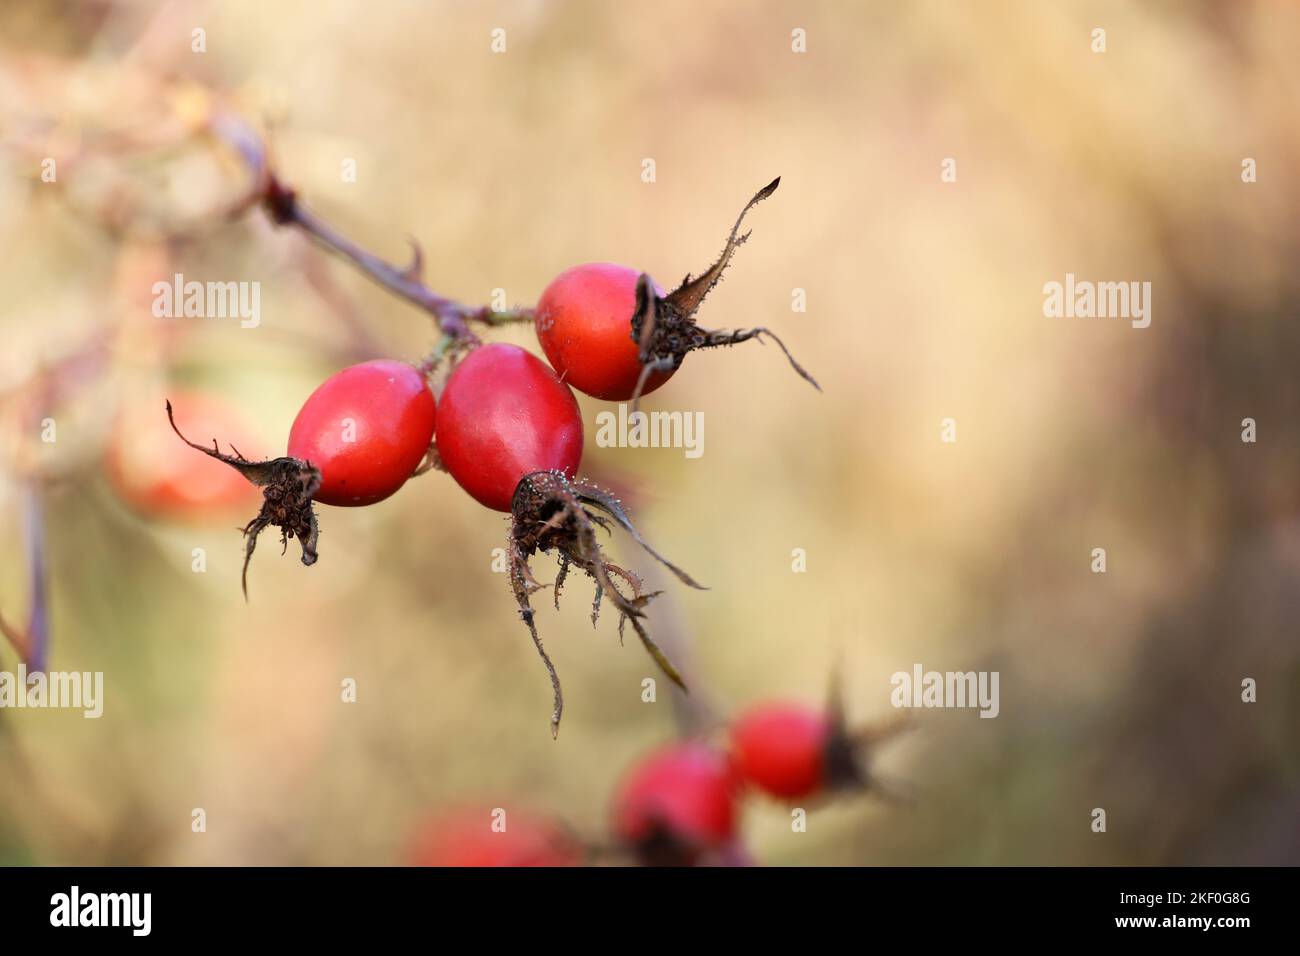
549	512
287	484
848	752
664	329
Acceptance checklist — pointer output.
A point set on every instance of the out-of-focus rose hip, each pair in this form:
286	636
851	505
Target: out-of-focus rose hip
160	478
676	804
497	838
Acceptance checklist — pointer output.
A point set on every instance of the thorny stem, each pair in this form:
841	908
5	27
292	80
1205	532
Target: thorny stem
284	208
453	318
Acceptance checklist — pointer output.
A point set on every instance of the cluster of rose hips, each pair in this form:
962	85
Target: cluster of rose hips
506	427
680	804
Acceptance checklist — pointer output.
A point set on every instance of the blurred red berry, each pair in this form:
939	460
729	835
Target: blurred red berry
782	748
676	804
159	477
468	838
367	428
503	415
584	322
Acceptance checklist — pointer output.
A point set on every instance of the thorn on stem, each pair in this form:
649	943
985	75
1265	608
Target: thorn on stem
414	272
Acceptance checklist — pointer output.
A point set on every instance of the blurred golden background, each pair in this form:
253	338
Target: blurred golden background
924	302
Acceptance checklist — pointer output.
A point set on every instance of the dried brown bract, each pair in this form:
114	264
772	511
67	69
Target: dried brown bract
287	484
849	751
552	513
664	329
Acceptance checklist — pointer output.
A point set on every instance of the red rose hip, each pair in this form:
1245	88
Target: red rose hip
367	428
473	838
612	333
502	415
584	322
159	477
677	803
782	749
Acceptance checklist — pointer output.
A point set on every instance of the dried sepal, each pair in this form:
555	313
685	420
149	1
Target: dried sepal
593	497
288	485
688	296
849	751
664	328
549	512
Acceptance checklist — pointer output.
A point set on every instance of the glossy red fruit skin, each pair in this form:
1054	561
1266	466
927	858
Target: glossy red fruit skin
781	749
392	415
584	322
685	792
502	415
466	839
